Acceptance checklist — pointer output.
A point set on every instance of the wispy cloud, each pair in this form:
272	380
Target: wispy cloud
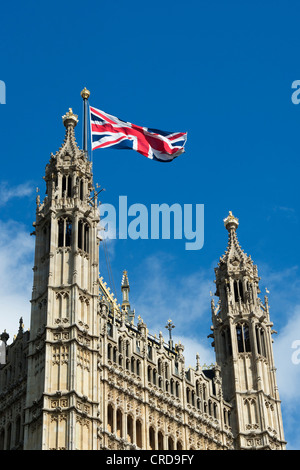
16	261
8	192
160	293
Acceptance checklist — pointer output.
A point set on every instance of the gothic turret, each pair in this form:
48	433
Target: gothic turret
242	339
64	326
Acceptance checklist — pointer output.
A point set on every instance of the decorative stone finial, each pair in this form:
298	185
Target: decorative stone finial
231	222
70	118
85	94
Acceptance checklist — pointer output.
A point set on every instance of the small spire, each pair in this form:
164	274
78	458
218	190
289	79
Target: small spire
125	281
125	291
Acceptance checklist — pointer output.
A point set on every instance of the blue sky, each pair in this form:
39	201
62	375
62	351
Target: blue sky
222	71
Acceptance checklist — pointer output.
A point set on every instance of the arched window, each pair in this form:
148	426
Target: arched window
129	428
109	351
179	445
160	441
110	419
64	232
66	186
170	444
151	438
243	337
83	235
139	434
260	340
119	423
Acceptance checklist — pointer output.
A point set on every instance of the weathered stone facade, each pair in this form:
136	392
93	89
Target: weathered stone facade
89	375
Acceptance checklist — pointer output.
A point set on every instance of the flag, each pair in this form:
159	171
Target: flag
110	131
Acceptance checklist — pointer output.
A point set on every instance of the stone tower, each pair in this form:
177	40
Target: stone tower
242	339
62	402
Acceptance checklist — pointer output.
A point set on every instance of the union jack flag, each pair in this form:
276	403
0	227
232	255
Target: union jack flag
110	131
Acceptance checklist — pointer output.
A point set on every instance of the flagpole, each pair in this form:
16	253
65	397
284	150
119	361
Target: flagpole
85	96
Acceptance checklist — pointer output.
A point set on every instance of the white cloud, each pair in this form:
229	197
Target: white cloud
8	192
16	261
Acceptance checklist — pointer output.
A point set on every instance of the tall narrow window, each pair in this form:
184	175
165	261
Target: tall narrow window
246	338
68	232
236	292
81	190
139	434
80	223
83	235
86	238
110	419
152	438
61	232
119	423
241	291
63	185
129	429
239	336
69	191
243	338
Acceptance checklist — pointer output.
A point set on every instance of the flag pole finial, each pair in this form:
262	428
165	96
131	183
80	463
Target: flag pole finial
85	94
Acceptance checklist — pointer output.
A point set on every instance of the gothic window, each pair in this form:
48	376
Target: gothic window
66	186
83	235
177	389
120	345
238	291
188	395
109	351
154	376
151	438
132	364
109	329
170	444
138	428
64	232
166	371
176	368
179	445
110	418
129	428
115	354
149	351
160	441
81	190
149	374
226	341
138	367
119	423
260	340
243	337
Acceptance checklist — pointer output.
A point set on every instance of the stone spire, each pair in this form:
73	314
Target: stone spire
242	340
